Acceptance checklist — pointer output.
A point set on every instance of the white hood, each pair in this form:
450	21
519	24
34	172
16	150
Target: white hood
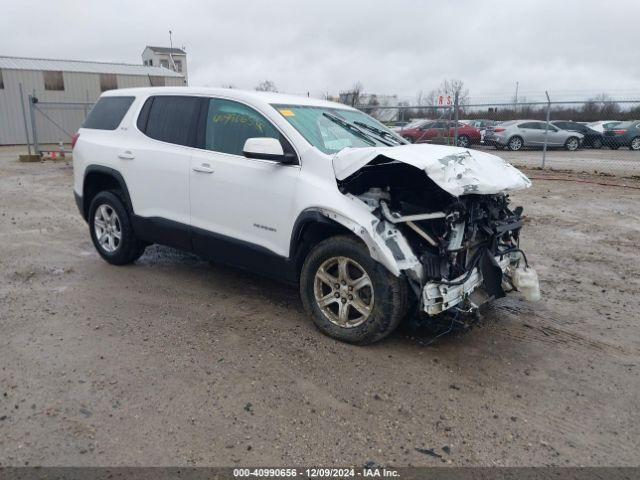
458	171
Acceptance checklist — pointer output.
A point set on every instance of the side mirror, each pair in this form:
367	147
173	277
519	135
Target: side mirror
264	148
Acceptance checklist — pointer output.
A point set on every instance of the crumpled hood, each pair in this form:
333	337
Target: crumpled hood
458	171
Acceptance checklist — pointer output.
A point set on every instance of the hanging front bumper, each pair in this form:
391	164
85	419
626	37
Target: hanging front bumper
438	297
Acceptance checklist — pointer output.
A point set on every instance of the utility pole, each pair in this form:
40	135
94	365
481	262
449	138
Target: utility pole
546	130
173	63
515	103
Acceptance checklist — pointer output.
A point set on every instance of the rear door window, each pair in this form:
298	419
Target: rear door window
108	113
171	119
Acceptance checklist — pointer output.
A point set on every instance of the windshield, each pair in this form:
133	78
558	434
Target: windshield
332	129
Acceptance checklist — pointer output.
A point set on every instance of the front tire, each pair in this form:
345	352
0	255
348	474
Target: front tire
350	296
572	144
111	230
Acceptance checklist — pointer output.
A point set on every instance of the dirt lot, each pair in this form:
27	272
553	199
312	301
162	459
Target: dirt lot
173	361
622	162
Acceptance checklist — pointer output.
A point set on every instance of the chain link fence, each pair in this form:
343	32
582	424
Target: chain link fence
538	134
594	136
50	125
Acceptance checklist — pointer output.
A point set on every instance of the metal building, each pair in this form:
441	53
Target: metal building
71	86
168	57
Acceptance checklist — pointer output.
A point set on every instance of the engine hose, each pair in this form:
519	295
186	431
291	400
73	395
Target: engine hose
515	249
474	262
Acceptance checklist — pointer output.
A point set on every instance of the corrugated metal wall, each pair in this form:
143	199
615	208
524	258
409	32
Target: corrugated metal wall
78	87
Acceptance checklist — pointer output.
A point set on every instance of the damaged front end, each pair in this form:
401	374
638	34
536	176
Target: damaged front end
458	250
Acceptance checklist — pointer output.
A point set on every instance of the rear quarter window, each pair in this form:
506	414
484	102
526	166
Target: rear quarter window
108	113
171	119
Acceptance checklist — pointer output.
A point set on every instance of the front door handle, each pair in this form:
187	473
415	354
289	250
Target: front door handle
126	155
204	168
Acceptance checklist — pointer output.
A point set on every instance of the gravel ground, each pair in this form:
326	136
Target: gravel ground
173	361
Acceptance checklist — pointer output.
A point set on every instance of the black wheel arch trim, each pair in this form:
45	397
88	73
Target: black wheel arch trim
306	218
117	176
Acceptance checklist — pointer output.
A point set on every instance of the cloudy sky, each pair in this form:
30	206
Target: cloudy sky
573	48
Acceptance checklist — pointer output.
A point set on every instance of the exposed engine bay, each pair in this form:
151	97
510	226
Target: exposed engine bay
467	247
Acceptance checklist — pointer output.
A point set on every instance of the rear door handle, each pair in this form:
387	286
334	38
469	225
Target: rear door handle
126	155
204	168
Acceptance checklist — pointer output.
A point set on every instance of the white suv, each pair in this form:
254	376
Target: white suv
303	190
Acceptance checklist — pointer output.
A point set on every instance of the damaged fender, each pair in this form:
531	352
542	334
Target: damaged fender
385	242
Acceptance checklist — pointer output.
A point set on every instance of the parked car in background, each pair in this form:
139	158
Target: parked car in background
516	134
395	124
412	124
483	125
592	138
624	134
602	125
429	131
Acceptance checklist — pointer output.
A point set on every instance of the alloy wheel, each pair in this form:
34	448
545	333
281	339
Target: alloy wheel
515	143
573	144
635	143
343	292
463	141
107	227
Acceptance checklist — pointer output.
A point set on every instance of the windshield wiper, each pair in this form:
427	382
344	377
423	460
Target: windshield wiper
353	129
379	132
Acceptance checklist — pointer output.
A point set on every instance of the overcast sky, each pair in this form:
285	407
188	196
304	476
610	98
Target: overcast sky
570	47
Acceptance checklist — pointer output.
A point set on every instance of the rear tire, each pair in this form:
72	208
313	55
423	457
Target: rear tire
596	143
635	144
572	144
111	230
515	143
325	292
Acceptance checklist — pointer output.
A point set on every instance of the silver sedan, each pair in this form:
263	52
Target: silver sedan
517	134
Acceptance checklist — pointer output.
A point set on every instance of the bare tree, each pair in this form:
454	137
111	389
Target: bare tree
353	95
601	106
448	89
266	86
422	100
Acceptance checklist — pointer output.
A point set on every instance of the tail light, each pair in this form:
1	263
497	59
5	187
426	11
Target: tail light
498	130
619	132
74	139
